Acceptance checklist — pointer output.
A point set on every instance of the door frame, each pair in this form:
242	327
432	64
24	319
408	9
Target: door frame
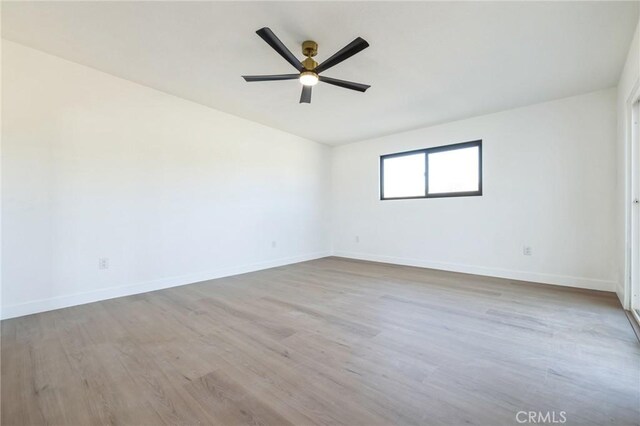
632	190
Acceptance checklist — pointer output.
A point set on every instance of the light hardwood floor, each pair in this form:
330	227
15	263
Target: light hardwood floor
331	341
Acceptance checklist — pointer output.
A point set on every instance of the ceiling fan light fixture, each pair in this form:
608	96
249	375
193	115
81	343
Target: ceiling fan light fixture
308	78
308	69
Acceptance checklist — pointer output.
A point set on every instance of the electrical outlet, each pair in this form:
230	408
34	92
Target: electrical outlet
103	263
527	251
273	244
357	238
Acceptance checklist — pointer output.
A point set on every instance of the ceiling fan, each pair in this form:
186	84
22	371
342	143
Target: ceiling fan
309	69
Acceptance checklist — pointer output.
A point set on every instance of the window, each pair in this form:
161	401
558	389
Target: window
404	176
444	171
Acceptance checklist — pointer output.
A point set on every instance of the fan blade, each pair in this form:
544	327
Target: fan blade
346	52
267	35
346	84
276	77
305	97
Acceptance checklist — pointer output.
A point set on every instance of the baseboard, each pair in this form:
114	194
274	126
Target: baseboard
59	302
620	293
44	305
563	280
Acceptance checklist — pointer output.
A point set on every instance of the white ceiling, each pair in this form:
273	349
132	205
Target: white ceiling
428	62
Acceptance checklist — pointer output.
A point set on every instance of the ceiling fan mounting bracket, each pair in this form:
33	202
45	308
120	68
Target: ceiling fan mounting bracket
309	48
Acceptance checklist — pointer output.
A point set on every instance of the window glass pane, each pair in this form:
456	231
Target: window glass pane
454	171
404	176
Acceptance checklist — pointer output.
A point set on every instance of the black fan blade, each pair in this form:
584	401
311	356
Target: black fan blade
346	52
270	77
346	84
267	35
305	97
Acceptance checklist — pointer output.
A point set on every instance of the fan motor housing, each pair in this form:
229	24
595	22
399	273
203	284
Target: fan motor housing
309	64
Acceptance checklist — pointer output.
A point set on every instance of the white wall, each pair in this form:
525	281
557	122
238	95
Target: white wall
173	192
170	191
629	80
549	174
